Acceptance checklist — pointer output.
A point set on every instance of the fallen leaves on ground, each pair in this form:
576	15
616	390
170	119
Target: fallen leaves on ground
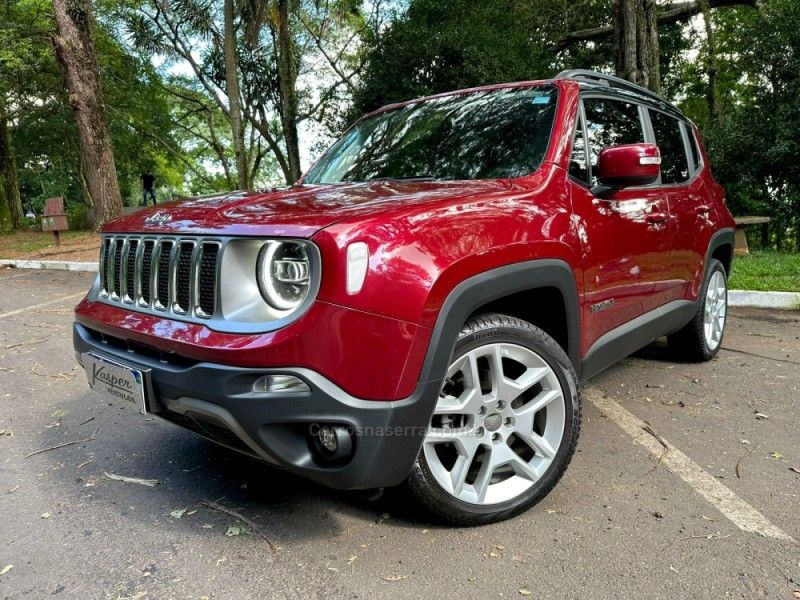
776	455
177	514
393	577
6	569
136	480
524	592
236	529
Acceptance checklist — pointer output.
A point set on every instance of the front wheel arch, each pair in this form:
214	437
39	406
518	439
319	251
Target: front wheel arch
481	290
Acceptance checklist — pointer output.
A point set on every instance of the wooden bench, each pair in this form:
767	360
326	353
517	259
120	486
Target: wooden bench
740	240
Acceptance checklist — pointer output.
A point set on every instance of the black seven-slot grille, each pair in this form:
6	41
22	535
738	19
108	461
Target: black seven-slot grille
170	275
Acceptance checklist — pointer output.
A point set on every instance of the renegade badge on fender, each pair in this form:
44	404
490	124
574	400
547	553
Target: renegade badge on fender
421	306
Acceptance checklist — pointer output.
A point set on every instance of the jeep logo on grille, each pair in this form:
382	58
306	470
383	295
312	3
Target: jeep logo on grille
159	218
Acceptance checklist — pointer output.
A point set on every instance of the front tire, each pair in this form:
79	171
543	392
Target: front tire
701	339
505	425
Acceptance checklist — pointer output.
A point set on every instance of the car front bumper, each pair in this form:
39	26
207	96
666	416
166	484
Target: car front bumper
218	402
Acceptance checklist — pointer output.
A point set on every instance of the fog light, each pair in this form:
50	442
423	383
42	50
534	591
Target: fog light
327	437
280	384
331	442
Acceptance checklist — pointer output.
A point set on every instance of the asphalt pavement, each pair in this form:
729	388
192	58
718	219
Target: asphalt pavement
686	483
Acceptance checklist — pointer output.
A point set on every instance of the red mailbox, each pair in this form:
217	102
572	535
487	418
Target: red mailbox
54	218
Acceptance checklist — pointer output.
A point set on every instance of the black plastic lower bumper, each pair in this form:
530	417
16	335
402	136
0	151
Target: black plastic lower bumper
218	402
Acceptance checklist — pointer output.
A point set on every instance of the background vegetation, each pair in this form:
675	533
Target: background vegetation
213	95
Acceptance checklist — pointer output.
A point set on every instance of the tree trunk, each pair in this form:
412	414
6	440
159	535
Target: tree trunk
8	177
74	47
670	13
636	43
232	85
711	61
287	83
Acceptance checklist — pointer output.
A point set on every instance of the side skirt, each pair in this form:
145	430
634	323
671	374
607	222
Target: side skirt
635	334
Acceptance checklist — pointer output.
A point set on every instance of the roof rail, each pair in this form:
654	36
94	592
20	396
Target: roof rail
610	81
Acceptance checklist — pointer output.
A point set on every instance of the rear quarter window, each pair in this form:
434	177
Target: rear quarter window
693	148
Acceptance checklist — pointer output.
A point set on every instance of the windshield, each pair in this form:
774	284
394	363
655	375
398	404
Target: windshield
482	135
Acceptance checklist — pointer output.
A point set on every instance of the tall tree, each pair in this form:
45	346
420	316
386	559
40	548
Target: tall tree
234	103
74	45
710	61
17	65
287	86
295	58
9	187
636	42
635	33
435	47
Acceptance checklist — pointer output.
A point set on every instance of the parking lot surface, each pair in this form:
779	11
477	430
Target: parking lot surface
631	518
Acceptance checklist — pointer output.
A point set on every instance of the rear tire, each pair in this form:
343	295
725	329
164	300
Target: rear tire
505	425
701	339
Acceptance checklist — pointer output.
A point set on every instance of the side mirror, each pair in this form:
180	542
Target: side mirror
628	165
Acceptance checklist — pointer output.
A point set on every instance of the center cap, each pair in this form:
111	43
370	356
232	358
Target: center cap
493	422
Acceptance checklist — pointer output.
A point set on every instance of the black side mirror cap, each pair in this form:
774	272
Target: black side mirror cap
603	191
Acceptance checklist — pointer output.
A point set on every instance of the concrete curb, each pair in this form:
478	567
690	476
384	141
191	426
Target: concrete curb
55	265
777	300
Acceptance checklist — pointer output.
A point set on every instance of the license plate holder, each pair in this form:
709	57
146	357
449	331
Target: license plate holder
116	380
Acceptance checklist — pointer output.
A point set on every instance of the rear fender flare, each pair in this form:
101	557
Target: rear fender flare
723	237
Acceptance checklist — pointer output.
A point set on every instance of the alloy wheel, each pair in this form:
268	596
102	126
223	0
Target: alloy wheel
497	426
716	305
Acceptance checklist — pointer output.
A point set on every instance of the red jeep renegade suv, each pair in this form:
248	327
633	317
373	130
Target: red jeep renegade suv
423	304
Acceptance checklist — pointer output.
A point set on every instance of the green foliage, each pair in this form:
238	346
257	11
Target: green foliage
5	211
766	271
167	120
755	153
439	46
78	216
755	148
140	114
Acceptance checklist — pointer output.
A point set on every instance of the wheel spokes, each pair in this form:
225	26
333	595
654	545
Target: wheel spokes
482	445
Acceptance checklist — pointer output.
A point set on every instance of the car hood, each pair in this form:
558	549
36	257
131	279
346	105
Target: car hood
297	211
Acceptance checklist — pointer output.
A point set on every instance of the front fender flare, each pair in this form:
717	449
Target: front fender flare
478	290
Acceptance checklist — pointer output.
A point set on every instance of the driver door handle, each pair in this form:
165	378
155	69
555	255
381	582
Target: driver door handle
656	218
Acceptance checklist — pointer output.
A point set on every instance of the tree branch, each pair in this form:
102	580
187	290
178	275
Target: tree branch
330	60
673	13
169	147
263	129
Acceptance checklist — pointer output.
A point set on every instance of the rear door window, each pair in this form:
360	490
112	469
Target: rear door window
669	138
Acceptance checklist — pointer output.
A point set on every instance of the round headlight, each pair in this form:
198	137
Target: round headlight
284	274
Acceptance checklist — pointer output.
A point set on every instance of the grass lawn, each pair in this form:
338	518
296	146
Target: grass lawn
768	271
38	245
